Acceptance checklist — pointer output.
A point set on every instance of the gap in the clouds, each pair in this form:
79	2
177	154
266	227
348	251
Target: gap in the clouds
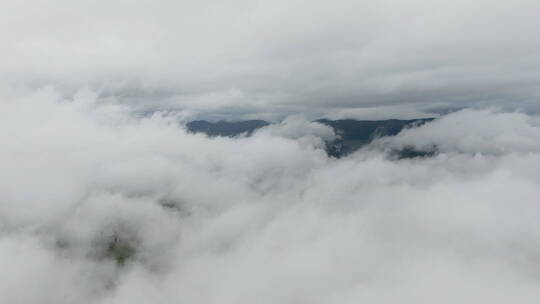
352	134
412	152
119	248
226	128
118	245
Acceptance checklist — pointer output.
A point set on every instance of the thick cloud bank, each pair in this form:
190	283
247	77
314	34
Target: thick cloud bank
365	59
97	206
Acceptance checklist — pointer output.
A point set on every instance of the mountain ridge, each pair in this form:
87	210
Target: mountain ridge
352	134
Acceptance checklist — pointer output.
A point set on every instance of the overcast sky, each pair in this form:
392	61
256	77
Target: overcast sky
268	59
102	205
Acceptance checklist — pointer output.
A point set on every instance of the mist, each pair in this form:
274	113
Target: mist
99	205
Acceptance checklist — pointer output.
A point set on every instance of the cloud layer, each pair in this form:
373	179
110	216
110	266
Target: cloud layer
270	59
264	219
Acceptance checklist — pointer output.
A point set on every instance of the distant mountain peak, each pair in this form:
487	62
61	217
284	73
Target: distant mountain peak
353	134
225	128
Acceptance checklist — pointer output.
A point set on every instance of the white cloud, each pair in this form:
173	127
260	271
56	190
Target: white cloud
299	128
475	131
262	219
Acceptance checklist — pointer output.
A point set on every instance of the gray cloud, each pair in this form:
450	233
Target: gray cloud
274	58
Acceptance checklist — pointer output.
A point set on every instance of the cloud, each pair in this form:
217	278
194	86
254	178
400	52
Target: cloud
301	129
276	58
99	206
474	131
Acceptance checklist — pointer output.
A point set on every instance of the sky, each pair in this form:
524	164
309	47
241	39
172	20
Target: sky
106	198
270	59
